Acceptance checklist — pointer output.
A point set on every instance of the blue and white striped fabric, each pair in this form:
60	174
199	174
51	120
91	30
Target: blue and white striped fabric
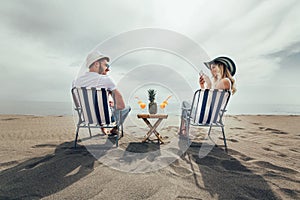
207	105
95	106
75	97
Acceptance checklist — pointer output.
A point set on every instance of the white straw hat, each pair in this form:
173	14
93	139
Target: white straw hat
93	57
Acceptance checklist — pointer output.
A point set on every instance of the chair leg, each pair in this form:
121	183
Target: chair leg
181	122
90	130
117	140
224	138
187	127
122	128
76	137
209	130
120	123
208	134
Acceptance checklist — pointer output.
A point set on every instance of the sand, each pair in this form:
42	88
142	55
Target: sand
37	160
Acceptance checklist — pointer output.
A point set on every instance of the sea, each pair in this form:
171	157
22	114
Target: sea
66	108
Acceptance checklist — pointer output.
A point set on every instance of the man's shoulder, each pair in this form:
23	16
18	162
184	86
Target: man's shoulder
89	75
105	77
86	79
92	79
94	74
102	75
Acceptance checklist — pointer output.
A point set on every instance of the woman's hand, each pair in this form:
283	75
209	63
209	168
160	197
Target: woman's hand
201	81
204	79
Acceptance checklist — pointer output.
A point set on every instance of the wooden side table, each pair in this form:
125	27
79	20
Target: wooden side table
159	118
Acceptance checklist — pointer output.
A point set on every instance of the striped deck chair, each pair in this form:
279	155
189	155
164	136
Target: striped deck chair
93	110
207	109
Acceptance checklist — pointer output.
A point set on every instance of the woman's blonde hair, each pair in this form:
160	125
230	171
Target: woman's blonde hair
225	73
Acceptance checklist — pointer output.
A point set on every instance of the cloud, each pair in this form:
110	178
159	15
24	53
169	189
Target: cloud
72	26
289	58
43	43
264	29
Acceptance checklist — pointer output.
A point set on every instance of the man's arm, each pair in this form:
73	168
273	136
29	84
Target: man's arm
119	101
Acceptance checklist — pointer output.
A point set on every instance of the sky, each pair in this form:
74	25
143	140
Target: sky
44	43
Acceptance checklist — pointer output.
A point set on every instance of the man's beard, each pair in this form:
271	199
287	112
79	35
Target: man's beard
100	70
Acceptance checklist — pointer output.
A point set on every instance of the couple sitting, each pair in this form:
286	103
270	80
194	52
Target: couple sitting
97	77
222	71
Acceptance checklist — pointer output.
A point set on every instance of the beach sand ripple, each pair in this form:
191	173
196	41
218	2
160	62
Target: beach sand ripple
38	160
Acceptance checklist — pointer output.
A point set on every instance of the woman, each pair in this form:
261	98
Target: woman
222	70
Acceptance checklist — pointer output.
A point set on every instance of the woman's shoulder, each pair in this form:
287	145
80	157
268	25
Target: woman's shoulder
226	82
226	79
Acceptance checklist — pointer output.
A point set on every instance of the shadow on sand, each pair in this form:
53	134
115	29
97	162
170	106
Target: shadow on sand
225	177
43	176
218	173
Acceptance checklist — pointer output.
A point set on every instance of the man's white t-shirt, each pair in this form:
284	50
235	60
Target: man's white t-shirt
93	79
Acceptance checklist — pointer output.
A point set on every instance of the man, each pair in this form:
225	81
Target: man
97	77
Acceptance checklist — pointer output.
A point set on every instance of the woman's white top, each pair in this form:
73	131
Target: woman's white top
214	84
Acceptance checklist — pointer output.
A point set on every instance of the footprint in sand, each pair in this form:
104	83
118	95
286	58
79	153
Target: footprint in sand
43	145
237	128
277	144
228	139
267	149
276	131
8	119
256	123
272	130
282	155
294	150
274	167
291	193
241	156
252	132
247	158
6	164
235	117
